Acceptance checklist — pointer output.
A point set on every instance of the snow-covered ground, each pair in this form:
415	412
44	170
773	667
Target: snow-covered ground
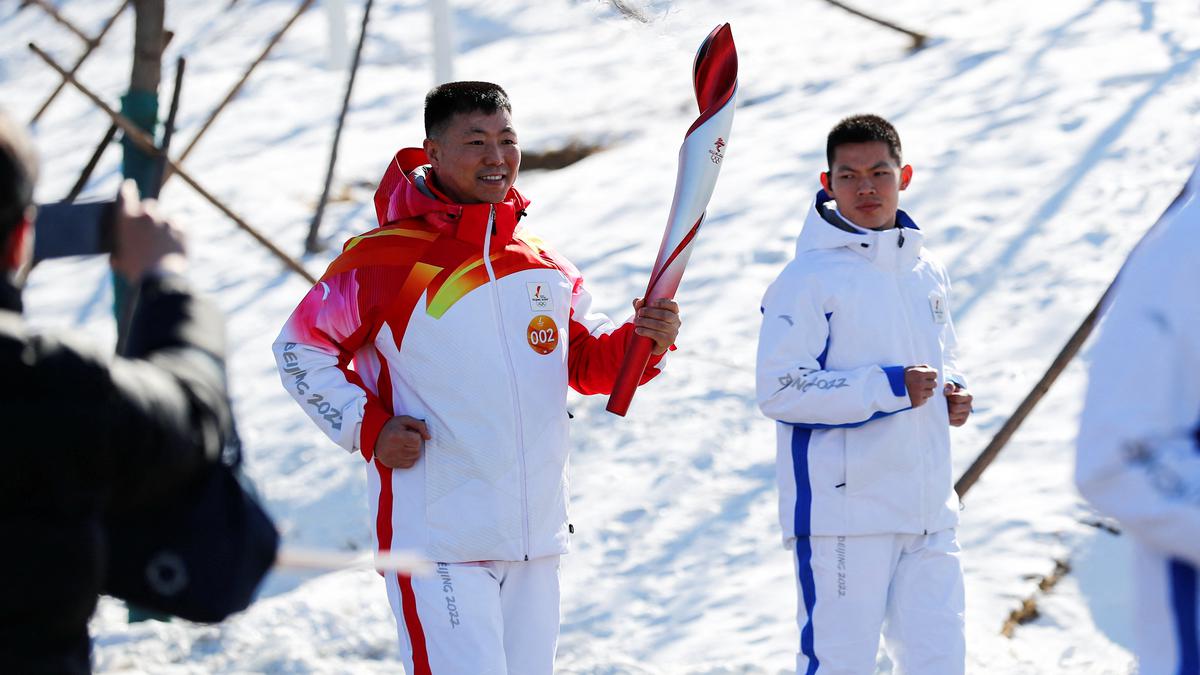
1046	137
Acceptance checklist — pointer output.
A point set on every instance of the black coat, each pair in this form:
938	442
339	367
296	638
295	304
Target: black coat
85	435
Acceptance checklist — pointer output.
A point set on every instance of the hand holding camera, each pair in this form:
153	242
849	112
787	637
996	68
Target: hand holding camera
145	241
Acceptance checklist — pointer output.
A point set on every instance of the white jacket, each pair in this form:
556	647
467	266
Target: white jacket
455	315
840	324
1138	454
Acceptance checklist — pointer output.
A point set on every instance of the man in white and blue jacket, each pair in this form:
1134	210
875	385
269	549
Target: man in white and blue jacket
1139	437
856	364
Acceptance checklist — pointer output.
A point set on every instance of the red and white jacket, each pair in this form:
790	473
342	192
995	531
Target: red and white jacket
453	314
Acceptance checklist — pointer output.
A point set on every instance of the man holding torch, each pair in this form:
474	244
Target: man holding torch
464	331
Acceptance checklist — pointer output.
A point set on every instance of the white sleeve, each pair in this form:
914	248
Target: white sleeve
312	354
793	385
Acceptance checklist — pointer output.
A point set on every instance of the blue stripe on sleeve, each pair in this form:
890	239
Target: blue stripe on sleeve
895	376
892	382
1182	578
847	425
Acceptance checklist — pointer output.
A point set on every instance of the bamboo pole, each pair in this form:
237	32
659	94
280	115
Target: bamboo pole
312	243
91	164
1068	352
54	14
304	5
168	128
143	140
919	39
300	559
92	44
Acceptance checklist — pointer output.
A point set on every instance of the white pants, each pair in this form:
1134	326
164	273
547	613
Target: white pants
851	588
1168	614
480	618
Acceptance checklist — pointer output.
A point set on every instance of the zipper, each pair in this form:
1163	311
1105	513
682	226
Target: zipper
512	379
908	324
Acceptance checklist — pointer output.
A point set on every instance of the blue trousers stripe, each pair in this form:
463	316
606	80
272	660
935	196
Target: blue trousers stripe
808	588
1183	604
803	526
802	516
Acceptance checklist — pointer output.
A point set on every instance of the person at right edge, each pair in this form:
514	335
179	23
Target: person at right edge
856	363
1138	456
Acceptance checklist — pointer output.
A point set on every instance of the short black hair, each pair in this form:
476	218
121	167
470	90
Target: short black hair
445	101
863	129
18	173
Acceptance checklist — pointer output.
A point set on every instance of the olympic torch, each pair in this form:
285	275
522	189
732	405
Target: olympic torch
714	75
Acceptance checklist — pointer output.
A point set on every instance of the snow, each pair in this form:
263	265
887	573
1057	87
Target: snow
1046	138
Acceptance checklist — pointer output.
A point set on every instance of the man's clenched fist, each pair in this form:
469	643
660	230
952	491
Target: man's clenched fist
920	381
958	402
399	443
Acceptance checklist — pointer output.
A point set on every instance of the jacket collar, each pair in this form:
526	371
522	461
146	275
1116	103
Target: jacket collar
824	228
405	193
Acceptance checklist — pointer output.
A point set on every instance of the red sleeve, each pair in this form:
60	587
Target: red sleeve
594	360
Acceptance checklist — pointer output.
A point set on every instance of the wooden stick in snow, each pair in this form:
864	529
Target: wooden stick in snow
160	164
297	559
1074	344
92	44
91	165
313	244
54	14
1011	425
919	39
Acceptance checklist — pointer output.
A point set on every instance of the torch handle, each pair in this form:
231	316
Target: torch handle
630	375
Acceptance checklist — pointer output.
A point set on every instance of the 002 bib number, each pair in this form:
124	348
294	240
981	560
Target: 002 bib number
542	334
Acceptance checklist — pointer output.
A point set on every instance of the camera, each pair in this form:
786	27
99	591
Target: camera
65	229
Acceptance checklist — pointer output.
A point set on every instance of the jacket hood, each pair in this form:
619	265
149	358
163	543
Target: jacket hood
404	193
824	228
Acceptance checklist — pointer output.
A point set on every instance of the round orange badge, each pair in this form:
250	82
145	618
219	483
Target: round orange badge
542	334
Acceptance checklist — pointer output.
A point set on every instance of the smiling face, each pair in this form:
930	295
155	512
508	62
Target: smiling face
476	157
866	180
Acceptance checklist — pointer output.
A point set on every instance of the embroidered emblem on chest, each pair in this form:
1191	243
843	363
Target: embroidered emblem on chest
937	306
539	297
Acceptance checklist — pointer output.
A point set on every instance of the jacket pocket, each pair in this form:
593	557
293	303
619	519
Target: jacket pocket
826	460
878	453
